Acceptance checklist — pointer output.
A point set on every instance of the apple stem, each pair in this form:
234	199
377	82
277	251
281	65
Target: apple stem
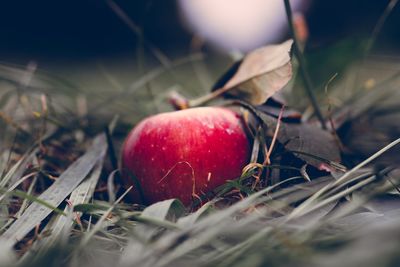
207	98
178	101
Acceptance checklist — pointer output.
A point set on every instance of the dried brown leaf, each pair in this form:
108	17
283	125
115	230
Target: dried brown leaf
261	74
308	142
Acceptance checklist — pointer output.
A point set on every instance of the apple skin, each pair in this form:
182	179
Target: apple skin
176	154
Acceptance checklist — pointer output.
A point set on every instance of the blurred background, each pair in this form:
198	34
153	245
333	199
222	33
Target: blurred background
61	31
104	45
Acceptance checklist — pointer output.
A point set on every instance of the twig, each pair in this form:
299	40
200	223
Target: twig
208	97
274	138
379	25
306	77
165	61
375	32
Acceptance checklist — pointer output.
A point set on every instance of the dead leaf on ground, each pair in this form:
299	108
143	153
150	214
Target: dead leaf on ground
259	75
308	142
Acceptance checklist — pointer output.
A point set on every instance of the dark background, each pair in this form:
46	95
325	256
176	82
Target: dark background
64	30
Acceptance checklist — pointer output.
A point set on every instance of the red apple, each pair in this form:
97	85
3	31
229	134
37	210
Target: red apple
185	153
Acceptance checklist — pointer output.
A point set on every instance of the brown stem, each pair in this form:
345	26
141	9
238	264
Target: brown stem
208	97
302	63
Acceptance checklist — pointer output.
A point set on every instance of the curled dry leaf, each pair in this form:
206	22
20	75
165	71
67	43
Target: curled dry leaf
256	78
262	73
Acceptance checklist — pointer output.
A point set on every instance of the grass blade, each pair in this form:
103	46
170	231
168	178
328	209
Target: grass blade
56	193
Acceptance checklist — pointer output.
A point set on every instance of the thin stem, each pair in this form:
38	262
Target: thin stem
379	25
208	97
306	77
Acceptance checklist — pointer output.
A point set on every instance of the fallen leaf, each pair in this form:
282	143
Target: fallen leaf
308	142
259	75
273	109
